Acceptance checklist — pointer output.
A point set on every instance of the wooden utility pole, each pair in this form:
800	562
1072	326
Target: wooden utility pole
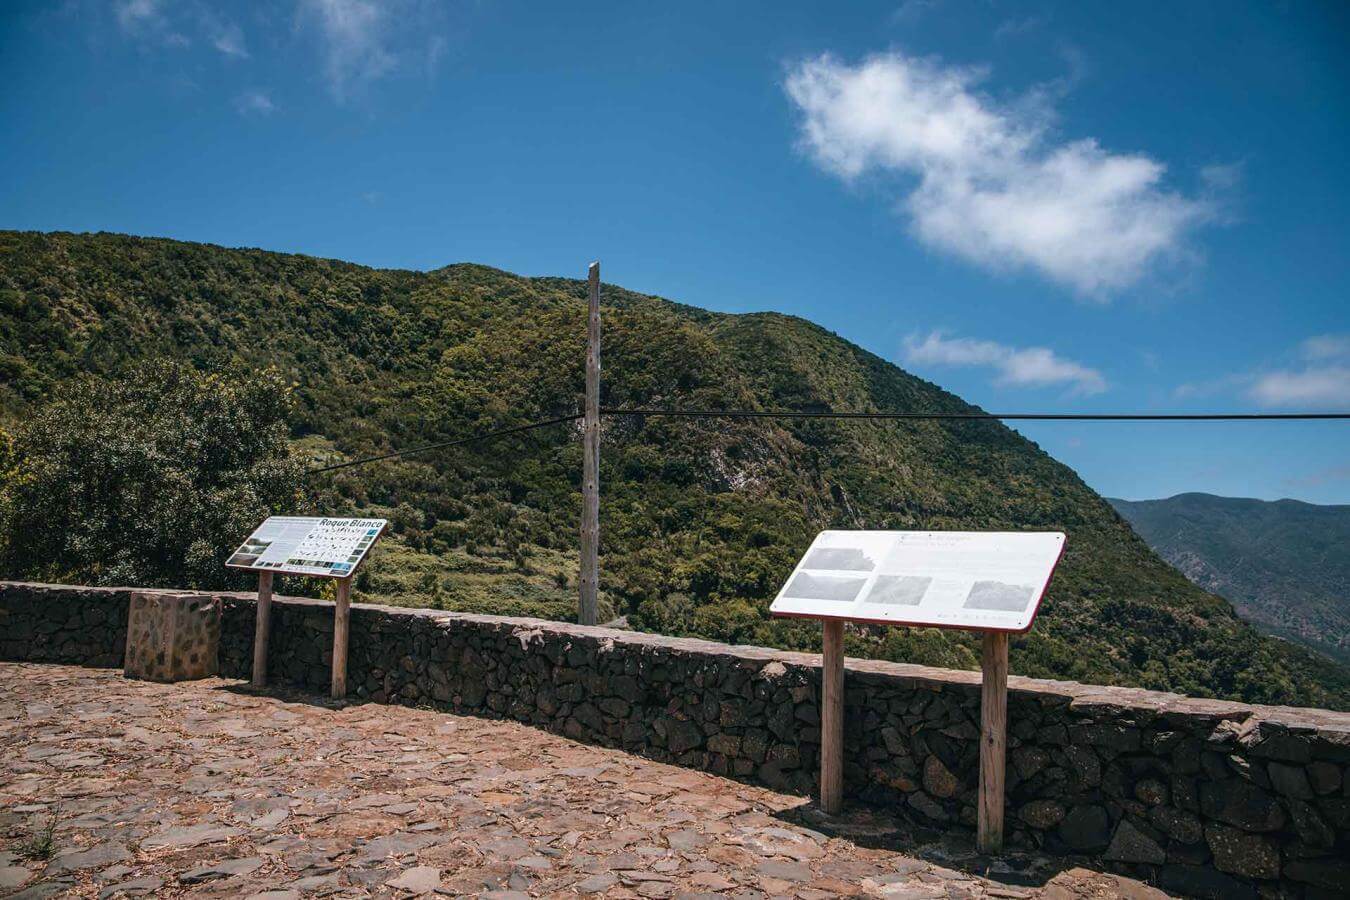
993	741
262	629
589	579
832	718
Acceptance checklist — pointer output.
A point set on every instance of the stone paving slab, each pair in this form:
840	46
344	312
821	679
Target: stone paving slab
203	789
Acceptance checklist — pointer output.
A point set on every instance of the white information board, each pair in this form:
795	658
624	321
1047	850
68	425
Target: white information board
981	580
303	545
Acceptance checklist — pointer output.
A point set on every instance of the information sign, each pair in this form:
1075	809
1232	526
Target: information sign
987	581
302	545
306	545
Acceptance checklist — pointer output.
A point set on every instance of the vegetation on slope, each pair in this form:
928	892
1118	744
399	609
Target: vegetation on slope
701	519
1285	565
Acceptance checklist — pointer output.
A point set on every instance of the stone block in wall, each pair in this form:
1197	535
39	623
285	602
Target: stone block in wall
1331	875
1239	853
172	636
1244	805
1086	828
1179	825
1134	844
1042	814
1324	777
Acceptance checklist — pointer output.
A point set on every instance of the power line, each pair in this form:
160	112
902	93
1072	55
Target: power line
1075	417
830	414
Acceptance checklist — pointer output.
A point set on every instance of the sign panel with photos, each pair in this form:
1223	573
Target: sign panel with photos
986	581
304	545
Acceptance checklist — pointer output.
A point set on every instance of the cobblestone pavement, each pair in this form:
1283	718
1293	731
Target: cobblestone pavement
203	789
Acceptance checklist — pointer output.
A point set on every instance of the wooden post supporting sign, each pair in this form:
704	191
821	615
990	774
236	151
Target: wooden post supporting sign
993	741
262	629
317	547
990	582
589	578
832	718
341	627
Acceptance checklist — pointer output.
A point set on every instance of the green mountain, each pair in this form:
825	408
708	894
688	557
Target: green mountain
1285	565
701	519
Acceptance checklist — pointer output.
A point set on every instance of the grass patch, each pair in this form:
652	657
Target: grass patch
488	583
41	845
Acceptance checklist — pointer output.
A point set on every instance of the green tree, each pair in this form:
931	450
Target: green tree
151	478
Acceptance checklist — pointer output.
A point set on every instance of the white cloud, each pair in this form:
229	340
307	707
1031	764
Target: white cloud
254	103
227	37
353	32
1222	176
135	14
1322	381
1012	28
1023	367
358	41
911	11
354	36
1317	376
362	41
1324	386
992	186
168	22
146	20
1327	346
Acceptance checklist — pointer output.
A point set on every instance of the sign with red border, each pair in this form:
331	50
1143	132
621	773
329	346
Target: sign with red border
976	580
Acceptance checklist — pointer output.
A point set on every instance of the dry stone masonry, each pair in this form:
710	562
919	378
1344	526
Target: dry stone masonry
1203	797
172	636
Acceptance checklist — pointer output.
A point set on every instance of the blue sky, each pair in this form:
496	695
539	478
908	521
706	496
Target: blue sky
1042	207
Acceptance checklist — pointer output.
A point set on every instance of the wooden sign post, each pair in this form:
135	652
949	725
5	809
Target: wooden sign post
832	718
990	582
993	741
318	548
262	629
342	615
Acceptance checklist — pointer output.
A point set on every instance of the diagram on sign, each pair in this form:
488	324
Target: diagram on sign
302	545
951	579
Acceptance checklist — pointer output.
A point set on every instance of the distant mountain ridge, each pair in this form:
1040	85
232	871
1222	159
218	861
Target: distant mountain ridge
1284	564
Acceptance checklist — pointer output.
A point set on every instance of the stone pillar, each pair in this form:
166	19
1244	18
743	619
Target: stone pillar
172	636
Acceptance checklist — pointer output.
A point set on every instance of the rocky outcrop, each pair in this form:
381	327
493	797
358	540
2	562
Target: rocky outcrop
1204	797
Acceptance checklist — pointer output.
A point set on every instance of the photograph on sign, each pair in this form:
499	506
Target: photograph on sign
950	579
306	545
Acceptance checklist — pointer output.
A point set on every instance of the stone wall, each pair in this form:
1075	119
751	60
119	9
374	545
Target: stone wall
60	624
1203	797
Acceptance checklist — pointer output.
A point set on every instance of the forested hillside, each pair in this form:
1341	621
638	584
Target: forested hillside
701	519
1284	564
